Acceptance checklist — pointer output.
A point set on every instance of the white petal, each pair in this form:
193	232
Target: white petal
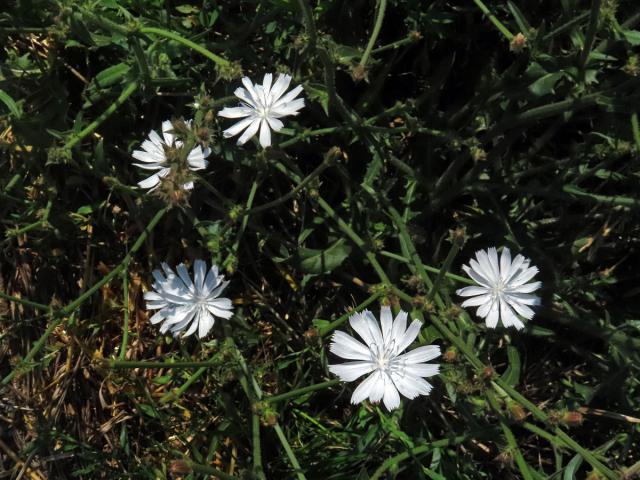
386	320
527	288
399	325
155	138
287	109
492	254
205	323
275	124
477	301
420	354
218	312
281	85
405	384
525	298
346	346
236	128
249	132
365	388
505	263
190	331
472	291
196	159
409	336
475	275
515	268
236	112
221	303
523	277
521	309
211	281
377	391
492	315
199	272
266	83
483	266
183	273
366	326
158	317
150	166
288	97
149	182
506	314
167	127
424	369
265	134
243	95
350	371
391	397
251	90
148	157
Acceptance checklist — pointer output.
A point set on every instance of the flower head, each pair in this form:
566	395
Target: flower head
380	356
163	154
261	108
185	305
502	291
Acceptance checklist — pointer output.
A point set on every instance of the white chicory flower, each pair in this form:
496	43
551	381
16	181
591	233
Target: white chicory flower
261	108
502	292
153	156
184	305
380	356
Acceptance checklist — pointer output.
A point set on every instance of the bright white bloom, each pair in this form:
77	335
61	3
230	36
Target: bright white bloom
390	372
261	108
153	156
185	305
502	292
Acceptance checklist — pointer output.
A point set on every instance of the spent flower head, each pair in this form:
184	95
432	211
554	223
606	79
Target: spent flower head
391	372
262	107
502	292
185	306
166	156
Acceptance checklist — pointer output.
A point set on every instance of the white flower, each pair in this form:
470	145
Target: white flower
390	372
262	106
186	305
153	156
502	288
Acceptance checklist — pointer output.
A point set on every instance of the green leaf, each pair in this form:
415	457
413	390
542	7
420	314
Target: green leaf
523	25
572	468
512	373
319	93
13	107
545	84
323	261
632	37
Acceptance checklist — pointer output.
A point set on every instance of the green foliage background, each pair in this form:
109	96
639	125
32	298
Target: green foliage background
510	123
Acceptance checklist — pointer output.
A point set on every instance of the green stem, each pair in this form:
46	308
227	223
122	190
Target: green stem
497	23
89	129
221	62
64	312
309	23
125	302
266	206
446	442
177	393
455	248
382	5
591	34
28	303
412	38
340	320
289	451
142	62
635	130
300	391
428	268
198	468
125	364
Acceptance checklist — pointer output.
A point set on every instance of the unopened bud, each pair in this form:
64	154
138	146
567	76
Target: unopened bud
518	43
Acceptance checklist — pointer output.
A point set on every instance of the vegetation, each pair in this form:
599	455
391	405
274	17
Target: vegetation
431	130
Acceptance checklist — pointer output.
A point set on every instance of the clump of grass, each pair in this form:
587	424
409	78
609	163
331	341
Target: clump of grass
429	132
